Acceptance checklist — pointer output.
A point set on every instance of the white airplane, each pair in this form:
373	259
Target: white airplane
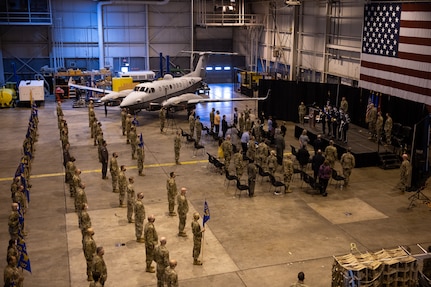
166	93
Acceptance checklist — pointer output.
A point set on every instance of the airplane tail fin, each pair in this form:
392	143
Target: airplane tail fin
201	66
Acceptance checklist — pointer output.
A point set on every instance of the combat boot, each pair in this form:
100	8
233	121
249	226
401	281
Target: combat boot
140	240
116	191
182	234
150	269
172	213
197	262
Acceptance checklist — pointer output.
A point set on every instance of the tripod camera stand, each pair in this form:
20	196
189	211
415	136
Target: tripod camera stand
418	195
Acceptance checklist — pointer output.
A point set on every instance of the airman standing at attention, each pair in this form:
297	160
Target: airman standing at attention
80	198
162	117
197	239
262	153
171	187
122	185
379	127
130	199
182	209
139	218
161	256
76	181
198	128
252	173
171	275
241	123
141	157
99	265
177	147
133	138
92	118
302	110
70	171
405	173
192	123
212	114
89	246
13	222
123	120
371	118
331	154
128	127
348	163
113	168
388	128
94	130
12	276
251	149
151	241
84	220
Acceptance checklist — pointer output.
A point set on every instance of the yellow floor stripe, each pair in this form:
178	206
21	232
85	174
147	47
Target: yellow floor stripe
100	170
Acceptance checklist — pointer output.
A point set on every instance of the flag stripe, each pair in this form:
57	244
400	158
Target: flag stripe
415	40
415	49
398	85
393	91
415	24
373	67
396	52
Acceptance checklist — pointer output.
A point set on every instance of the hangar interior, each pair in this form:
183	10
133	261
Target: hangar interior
303	52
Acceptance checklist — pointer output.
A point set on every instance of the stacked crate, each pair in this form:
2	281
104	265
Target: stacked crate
356	270
389	268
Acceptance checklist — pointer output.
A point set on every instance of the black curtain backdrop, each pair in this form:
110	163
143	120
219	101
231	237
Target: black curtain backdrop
287	95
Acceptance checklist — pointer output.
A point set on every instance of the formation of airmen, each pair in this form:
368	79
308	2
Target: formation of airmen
17	256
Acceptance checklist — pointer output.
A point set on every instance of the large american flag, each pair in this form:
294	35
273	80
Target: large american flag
396	50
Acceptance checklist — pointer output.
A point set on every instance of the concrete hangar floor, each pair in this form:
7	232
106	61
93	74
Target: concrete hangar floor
261	241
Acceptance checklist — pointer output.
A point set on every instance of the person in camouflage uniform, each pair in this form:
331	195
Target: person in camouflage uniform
89	246
84	219
227	151
405	173
198	128
98	134
171	187
272	162
80	198
262	153
113	168
140	157
162	117
182	209
133	138
92	118
287	172
197	239
76	181
212	114
251	149
123	120
161	256
252	174
192	123
151	241
130	199
12	276
302	110
238	161
331	154
122	185
177	147
348	163
139	218
388	128
241	123
379	127
99	265
13	222
171	275
128	127
94	128
70	171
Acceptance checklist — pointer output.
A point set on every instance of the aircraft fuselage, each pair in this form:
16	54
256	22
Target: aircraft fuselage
148	95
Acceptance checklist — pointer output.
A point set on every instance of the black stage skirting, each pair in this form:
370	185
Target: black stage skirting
366	152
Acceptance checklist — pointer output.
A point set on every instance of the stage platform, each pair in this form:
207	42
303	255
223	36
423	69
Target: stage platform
366	151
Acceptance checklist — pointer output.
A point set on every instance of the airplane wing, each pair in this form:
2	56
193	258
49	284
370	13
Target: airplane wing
110	95
184	98
207	100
